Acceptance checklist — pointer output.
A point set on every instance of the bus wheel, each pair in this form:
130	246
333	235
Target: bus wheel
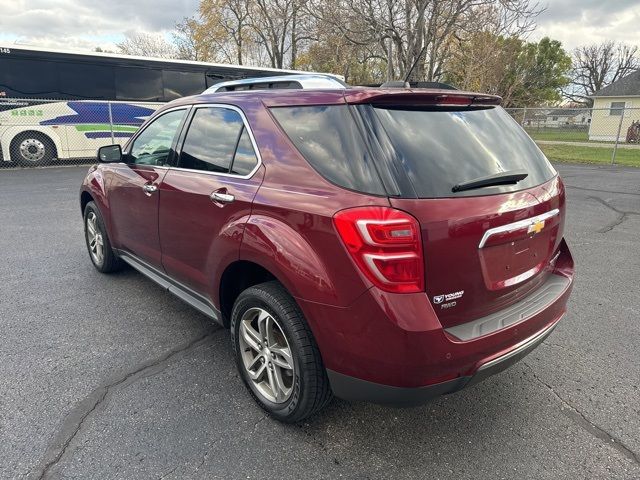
32	149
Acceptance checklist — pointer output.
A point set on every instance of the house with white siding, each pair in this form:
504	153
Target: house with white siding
615	108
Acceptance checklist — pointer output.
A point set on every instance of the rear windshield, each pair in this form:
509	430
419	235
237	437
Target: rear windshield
442	148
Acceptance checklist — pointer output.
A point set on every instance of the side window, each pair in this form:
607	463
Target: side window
153	145
33	78
617	108
181	84
84	80
328	138
245	158
211	141
133	83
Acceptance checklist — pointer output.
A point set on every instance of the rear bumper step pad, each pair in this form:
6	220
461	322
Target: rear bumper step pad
544	296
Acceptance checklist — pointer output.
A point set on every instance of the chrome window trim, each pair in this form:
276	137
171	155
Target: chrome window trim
245	122
510	227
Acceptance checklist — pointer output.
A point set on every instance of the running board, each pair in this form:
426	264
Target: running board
184	293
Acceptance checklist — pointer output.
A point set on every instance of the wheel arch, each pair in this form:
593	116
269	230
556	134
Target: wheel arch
288	254
85	197
12	133
237	277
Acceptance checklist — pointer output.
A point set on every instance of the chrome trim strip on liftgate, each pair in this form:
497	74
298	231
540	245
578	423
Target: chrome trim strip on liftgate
511	227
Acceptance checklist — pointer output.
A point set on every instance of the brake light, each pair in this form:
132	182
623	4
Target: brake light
385	244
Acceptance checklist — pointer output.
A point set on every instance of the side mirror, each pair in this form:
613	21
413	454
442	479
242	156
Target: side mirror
110	154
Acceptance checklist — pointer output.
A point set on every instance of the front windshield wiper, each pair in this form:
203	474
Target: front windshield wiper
503	178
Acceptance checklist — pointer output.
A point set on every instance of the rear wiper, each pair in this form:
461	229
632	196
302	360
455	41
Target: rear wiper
503	178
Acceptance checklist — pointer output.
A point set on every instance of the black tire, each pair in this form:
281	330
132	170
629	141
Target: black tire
110	262
44	150
311	390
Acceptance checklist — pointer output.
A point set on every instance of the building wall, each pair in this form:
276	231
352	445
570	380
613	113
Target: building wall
604	126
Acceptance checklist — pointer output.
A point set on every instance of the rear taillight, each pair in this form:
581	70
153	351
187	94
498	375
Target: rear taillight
385	244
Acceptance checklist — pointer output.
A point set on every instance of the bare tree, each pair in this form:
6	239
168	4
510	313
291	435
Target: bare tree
281	27
146	45
416	36
187	42
263	32
225	28
598	65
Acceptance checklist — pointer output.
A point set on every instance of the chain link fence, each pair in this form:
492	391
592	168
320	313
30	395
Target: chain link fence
36	133
594	135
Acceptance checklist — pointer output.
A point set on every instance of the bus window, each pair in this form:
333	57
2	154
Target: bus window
29	78
83	80
142	84
182	84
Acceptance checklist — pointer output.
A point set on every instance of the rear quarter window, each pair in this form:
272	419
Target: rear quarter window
441	148
329	139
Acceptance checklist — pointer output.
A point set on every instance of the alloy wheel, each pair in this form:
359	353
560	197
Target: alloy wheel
266	355
94	239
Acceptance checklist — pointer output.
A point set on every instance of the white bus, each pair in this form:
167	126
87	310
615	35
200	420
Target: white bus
60	105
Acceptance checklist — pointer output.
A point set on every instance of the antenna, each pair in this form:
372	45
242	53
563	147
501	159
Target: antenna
406	79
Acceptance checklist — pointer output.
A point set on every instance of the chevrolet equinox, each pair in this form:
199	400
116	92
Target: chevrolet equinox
378	244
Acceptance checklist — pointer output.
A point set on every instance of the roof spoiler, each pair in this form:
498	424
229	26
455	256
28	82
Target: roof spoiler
424	98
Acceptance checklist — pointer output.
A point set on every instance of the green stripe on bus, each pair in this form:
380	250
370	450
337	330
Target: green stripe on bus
105	126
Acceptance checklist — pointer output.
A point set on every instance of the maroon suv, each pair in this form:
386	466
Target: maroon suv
387	245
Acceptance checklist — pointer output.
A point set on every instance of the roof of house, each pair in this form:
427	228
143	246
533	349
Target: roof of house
625	87
531	114
567	112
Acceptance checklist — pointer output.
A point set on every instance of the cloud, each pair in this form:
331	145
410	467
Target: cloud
87	23
580	22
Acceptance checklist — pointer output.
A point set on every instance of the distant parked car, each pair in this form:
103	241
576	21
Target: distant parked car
386	245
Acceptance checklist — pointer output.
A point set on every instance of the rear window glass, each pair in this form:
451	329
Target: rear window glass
328	137
245	158
442	148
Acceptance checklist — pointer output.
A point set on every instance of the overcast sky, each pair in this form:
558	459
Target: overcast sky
86	24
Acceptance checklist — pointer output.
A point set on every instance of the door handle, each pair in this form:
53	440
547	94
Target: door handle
222	197
149	189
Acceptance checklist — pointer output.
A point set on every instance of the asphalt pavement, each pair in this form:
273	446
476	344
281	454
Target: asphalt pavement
109	376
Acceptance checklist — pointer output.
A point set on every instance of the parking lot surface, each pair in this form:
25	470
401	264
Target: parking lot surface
109	376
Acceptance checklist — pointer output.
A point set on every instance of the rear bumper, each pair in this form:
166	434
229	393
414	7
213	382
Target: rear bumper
391	348
355	389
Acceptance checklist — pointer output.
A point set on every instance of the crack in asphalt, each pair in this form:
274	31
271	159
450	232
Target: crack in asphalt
582	421
165	475
623	214
75	420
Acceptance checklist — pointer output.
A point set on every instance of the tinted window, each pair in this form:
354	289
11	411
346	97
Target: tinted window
245	158
83	80
328	138
211	140
29	78
153	145
440	149
182	84
142	84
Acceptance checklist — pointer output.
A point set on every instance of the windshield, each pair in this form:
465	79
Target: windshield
439	149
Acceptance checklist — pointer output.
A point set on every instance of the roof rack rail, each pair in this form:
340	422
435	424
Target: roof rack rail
302	81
